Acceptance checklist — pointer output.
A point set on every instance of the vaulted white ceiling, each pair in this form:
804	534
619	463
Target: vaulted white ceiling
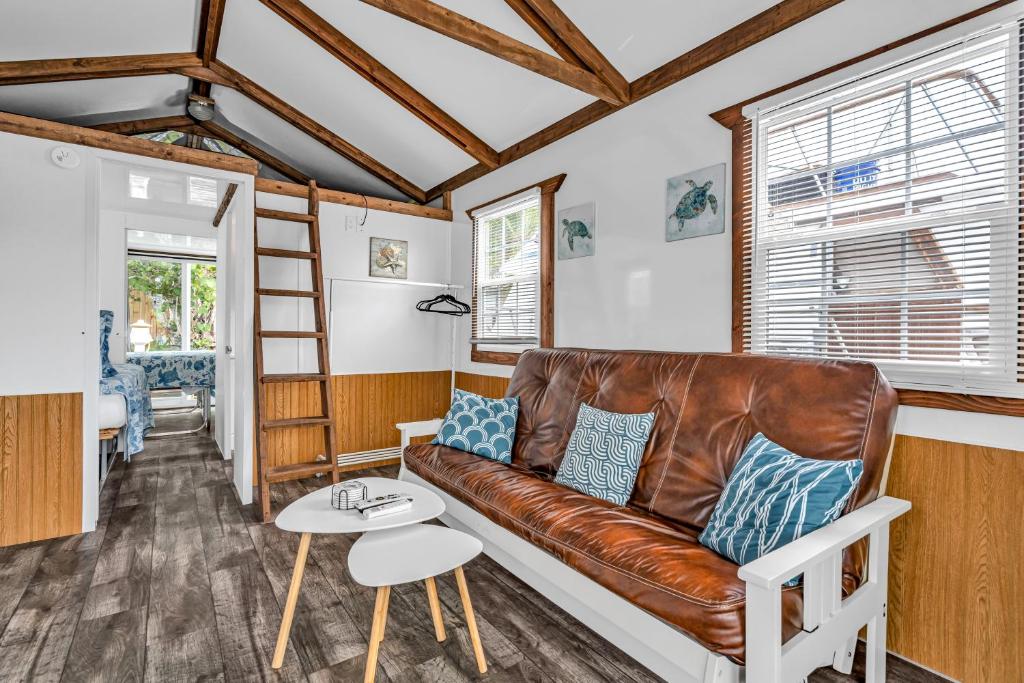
499	102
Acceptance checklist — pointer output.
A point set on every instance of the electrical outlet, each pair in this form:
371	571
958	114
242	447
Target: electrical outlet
351	223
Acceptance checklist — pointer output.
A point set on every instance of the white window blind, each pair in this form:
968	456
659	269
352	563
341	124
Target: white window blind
886	222
506	272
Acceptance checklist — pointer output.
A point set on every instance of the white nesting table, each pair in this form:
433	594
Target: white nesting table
413	553
313	514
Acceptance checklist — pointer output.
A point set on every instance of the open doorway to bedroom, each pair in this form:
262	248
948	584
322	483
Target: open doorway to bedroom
167	244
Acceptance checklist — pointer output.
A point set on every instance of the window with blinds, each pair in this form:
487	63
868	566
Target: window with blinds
506	272
886	222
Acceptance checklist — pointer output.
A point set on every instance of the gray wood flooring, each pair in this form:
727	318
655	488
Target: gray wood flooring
180	583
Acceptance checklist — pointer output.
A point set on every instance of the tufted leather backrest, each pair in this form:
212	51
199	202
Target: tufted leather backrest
707	408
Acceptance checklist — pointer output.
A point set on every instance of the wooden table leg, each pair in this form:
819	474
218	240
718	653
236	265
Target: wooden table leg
467	606
289	606
384	619
435	609
380	613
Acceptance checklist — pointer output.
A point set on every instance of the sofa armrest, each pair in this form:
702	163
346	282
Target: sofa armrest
422	428
795	558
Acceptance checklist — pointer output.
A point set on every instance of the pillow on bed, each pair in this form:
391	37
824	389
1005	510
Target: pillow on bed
106	325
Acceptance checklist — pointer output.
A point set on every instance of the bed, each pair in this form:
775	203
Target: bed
127	382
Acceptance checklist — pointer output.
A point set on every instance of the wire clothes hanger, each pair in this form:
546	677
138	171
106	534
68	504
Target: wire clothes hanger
444	303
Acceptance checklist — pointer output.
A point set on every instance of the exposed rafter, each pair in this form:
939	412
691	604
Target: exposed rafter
320	31
275	104
225	202
84	68
736	39
214	130
154	125
472	33
562	34
211	18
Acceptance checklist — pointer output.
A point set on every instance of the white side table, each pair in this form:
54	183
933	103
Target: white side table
420	552
313	514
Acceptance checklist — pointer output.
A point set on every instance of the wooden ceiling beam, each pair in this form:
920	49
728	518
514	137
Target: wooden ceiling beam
353	199
84	68
154	125
570	36
542	29
324	135
463	29
768	23
225	202
211	19
324	34
211	129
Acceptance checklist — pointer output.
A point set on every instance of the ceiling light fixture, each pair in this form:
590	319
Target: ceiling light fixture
200	108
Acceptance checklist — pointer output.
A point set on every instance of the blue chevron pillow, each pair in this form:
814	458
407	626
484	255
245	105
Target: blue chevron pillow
604	451
483	426
774	497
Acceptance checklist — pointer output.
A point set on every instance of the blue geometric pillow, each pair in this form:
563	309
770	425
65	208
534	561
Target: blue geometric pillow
482	426
604	451
774	497
106	325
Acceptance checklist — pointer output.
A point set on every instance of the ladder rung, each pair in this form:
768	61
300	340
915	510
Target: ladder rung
285	215
296	422
294	377
285	253
299	471
290	334
299	293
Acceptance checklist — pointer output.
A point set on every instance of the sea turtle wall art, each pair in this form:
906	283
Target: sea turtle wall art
389	258
575	229
695	204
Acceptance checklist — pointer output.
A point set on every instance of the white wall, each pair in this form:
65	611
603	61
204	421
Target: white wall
639	291
377	328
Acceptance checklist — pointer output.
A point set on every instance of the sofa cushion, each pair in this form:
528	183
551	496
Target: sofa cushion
648	560
603	454
774	497
483	426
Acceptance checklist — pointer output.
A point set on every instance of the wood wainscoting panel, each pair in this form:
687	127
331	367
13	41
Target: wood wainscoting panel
956	576
485	385
366	408
40	467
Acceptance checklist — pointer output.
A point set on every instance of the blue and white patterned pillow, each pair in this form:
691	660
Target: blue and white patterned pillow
774	497
106	325
482	426
604	451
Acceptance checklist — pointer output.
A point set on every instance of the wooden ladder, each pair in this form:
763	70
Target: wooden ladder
267	473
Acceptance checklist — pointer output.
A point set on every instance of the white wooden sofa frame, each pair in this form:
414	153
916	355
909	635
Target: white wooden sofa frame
831	623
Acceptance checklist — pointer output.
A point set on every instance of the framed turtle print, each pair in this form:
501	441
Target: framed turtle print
575	229
695	204
389	258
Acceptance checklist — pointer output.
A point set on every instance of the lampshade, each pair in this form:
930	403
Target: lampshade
140	334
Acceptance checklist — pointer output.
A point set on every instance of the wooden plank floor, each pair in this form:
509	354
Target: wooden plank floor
180	583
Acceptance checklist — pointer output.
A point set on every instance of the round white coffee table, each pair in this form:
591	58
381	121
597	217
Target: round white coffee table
313	514
419	552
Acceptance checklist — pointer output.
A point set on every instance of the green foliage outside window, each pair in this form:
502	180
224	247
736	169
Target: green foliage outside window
154	295
204	298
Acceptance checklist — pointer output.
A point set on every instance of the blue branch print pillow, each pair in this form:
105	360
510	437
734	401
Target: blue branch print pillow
604	451
482	426
106	325
774	497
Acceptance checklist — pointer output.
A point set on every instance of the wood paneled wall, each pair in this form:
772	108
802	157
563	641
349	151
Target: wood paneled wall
956	588
366	407
485	385
40	467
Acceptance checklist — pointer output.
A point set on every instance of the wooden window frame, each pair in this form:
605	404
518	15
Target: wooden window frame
547	188
742	219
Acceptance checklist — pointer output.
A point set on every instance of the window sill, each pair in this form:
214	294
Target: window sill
993	405
494	357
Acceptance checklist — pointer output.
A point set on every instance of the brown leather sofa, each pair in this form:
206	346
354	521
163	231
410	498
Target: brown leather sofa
707	406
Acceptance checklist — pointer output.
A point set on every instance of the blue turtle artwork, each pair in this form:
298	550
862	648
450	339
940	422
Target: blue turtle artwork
692	204
576	231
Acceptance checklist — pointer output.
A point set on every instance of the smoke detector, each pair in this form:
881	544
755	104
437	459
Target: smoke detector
200	108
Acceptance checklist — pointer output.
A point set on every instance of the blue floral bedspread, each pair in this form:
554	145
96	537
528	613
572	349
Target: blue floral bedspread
130	382
177	369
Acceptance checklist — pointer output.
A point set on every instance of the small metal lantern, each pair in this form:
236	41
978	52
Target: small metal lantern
346	494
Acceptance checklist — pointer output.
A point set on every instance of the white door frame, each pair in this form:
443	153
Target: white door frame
243	204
